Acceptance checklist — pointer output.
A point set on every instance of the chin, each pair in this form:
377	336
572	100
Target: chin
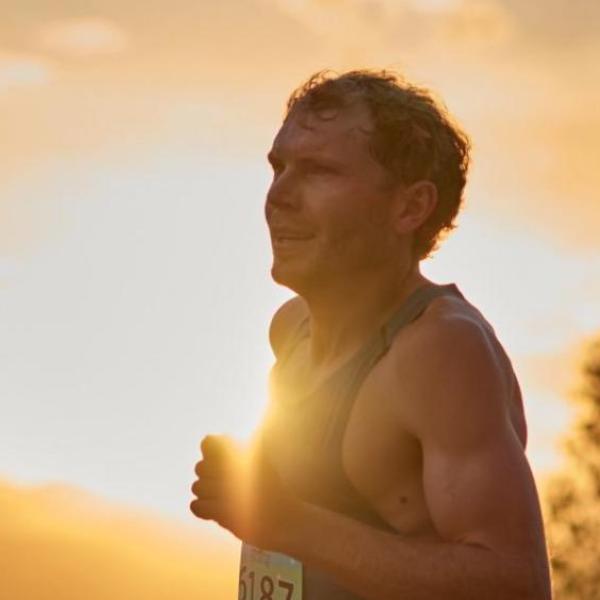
282	275
285	275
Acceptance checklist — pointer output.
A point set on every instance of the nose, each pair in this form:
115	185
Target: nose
283	193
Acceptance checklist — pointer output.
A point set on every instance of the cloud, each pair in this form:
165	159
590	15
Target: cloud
60	542
434	6
481	22
557	23
88	36
382	31
536	133
17	71
527	99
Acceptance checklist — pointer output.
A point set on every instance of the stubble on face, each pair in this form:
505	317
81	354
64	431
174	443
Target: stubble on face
347	208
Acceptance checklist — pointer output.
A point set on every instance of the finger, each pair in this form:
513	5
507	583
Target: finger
210	511
209	488
217	447
206	468
204	509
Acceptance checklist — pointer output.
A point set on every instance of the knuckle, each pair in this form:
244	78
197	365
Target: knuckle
205	443
203	509
210	444
197	509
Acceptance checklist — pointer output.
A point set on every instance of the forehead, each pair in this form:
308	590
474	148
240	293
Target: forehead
332	131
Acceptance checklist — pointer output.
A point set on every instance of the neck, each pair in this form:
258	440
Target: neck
343	316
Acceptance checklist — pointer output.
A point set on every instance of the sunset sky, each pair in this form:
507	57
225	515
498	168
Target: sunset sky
135	293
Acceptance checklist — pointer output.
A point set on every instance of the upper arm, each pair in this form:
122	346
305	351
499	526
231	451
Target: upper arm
477	483
284	321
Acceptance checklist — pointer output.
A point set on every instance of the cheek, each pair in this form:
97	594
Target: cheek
347	233
346	214
338	223
378	213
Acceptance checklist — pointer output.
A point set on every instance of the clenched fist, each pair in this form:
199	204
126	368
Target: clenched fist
240	490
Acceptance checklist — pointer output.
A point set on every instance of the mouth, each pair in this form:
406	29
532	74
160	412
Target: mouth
282	236
287	240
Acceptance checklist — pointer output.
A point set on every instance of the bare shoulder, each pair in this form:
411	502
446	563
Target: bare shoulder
454	324
454	369
285	320
450	327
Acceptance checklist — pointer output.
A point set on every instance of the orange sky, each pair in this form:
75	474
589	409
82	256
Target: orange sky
132	176
61	544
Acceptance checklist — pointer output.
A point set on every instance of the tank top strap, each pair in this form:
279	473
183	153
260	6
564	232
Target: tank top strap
413	307
352	375
364	360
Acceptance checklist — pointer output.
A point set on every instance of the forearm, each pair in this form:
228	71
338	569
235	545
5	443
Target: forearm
379	565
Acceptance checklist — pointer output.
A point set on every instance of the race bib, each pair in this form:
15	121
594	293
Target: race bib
268	575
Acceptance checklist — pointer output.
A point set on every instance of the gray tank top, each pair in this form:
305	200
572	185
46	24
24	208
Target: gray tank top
303	432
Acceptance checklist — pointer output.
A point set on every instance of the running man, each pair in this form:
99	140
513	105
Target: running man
391	462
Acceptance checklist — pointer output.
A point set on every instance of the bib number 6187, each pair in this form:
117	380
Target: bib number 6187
266	575
262	587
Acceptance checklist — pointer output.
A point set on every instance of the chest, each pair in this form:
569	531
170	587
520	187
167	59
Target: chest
381	458
343	446
378	452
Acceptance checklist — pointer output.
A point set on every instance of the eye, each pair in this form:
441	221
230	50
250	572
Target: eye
318	169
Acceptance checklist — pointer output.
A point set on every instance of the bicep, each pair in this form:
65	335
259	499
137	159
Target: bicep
477	482
482	493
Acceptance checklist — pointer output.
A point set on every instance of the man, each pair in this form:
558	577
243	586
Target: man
391	463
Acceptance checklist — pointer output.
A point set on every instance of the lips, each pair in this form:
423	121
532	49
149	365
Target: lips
282	235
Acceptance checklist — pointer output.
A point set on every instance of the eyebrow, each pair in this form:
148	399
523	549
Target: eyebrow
316	159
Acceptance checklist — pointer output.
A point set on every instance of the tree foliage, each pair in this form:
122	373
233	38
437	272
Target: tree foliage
572	496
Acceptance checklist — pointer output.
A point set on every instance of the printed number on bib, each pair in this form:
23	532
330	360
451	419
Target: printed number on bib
268	575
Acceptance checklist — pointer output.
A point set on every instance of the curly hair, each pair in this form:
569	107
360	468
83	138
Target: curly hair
414	137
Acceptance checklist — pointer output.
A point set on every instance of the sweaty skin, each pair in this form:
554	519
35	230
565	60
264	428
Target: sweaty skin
441	459
436	437
381	450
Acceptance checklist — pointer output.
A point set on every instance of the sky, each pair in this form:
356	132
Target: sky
61	544
135	294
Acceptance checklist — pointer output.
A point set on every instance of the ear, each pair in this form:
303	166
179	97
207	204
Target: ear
413	205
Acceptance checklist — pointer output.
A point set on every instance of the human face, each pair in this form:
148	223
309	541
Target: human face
328	206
